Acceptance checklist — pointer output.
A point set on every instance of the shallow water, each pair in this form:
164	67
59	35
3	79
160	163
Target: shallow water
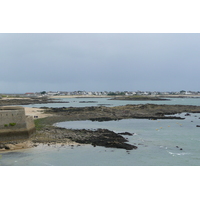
159	144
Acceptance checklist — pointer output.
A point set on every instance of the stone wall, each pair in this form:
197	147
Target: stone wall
14	124
9	114
30	125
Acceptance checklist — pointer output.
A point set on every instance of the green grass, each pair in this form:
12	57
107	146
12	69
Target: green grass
39	124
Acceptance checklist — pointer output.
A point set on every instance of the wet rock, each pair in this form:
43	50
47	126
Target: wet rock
88	101
126	133
187	114
101	119
106	138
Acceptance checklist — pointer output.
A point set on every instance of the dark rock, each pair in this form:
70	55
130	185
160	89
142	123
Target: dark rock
106	138
6	147
187	114
125	133
139	98
101	119
88	101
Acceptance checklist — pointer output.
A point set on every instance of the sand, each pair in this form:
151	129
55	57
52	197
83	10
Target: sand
18	146
29	144
36	112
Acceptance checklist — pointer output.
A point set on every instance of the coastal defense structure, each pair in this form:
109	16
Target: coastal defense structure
14	124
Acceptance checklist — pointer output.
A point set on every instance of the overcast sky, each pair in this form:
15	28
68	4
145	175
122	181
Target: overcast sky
99	62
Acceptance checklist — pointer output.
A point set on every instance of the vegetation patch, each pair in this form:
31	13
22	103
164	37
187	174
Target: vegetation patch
39	124
12	124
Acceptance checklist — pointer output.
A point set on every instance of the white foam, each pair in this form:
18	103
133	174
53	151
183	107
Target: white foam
178	154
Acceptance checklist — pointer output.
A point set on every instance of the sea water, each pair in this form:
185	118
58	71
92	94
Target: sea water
160	143
76	102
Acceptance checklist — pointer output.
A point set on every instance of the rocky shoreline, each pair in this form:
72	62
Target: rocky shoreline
47	133
139	98
28	101
99	137
102	137
51	135
141	111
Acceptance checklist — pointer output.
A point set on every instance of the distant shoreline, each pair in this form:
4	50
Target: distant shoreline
122	96
78	96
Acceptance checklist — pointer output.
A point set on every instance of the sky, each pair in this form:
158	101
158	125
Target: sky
34	62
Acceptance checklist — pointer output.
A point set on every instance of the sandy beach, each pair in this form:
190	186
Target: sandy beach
36	112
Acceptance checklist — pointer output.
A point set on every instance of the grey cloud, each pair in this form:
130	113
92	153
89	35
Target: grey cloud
99	61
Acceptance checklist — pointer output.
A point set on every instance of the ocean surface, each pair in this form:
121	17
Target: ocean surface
160	142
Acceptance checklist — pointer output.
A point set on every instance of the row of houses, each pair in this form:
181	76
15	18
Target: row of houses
104	93
127	93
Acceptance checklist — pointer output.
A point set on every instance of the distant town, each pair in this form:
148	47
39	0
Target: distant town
96	93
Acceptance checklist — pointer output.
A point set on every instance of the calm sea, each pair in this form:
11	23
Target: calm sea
160	142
